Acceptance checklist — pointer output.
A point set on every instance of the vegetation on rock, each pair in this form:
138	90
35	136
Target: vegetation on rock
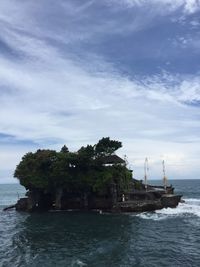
84	171
93	178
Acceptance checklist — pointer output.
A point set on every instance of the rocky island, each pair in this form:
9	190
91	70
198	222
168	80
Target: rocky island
93	178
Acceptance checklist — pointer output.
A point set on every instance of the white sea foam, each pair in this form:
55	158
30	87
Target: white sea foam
78	263
150	216
7	201
195	201
190	207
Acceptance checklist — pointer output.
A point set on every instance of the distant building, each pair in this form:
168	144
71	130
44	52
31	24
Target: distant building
111	160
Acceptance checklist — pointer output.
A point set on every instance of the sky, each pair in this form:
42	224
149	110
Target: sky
74	71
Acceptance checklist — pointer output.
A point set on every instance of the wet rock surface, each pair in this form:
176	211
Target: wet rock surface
167	200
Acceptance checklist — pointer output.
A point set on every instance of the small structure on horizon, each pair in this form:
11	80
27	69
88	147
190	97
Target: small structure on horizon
164	176
146	170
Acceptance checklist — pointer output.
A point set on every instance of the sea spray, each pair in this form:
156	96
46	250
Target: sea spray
190	207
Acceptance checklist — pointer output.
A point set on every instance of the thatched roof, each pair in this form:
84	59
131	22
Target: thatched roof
112	159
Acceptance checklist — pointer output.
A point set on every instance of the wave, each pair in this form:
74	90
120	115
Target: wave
10	200
190	207
195	201
7	202
78	263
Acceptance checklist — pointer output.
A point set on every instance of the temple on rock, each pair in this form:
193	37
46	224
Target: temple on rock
92	178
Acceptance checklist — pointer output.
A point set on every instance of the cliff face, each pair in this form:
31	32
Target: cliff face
62	200
166	201
134	201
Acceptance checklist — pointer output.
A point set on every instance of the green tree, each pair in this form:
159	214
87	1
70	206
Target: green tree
64	149
34	169
82	171
106	147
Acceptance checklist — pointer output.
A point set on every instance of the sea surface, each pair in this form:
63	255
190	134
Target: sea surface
169	237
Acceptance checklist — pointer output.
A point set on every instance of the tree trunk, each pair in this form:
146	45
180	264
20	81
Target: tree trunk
59	193
85	200
113	191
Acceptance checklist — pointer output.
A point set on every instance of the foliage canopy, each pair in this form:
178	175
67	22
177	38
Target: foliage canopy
81	171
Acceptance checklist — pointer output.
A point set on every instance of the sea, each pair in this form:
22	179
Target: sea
168	237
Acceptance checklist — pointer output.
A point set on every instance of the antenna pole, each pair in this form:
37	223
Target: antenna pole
164	176
146	168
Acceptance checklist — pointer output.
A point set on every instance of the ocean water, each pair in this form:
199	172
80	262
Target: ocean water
169	237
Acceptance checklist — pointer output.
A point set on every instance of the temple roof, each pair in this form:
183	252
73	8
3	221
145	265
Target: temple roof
112	159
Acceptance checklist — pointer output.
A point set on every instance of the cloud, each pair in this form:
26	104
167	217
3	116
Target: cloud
188	6
77	106
55	91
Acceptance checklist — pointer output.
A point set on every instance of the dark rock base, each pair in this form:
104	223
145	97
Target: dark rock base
166	201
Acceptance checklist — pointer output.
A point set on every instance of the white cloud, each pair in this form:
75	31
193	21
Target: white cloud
51	96
189	6
77	107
